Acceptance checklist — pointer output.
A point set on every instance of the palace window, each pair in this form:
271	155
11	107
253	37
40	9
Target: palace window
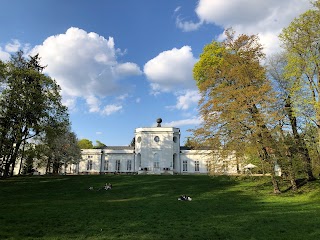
89	165
225	166
129	165
196	166
185	166
156	161
106	165
118	165
156	164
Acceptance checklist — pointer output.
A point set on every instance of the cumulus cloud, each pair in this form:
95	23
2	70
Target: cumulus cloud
186	100
171	70
93	103
127	69
190	98
266	18
11	48
85	65
187	26
184	122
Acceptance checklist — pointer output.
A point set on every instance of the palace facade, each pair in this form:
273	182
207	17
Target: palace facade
157	150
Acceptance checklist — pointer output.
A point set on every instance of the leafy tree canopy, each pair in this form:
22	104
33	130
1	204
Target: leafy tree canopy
85	144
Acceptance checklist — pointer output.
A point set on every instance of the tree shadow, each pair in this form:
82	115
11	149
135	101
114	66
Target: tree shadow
146	207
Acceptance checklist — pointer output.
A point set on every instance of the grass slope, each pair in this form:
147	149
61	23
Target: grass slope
146	207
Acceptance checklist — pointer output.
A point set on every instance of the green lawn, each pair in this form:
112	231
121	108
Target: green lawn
146	207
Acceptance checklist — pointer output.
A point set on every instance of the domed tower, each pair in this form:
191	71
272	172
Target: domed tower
157	149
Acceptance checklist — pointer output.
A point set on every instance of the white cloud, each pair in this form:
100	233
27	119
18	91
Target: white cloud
171	70
98	133
188	99
187	26
93	103
13	47
70	103
123	97
110	109
138	100
4	56
177	9
266	18
85	66
126	69
184	122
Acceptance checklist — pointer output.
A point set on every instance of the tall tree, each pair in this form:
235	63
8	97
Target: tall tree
236	98
287	101
301	39
29	102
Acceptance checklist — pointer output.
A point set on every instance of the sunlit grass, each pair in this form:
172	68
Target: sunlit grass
146	207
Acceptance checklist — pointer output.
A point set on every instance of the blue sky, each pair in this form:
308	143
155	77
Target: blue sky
122	64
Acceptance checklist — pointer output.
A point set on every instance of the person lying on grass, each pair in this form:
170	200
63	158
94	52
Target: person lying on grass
106	187
184	198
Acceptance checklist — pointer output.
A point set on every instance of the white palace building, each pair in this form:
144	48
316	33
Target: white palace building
157	150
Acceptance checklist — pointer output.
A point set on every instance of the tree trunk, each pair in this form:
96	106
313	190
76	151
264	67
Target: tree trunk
276	189
267	158
56	166
289	157
266	141
22	155
6	166
292	175
14	156
301	145
48	170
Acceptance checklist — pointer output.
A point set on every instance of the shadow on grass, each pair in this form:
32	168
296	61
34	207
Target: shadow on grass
146	207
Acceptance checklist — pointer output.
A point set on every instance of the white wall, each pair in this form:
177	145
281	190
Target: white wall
157	155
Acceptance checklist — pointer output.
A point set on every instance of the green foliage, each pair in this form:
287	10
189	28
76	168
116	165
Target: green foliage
99	145
30	103
29	155
190	143
85	144
237	98
146	207
301	39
